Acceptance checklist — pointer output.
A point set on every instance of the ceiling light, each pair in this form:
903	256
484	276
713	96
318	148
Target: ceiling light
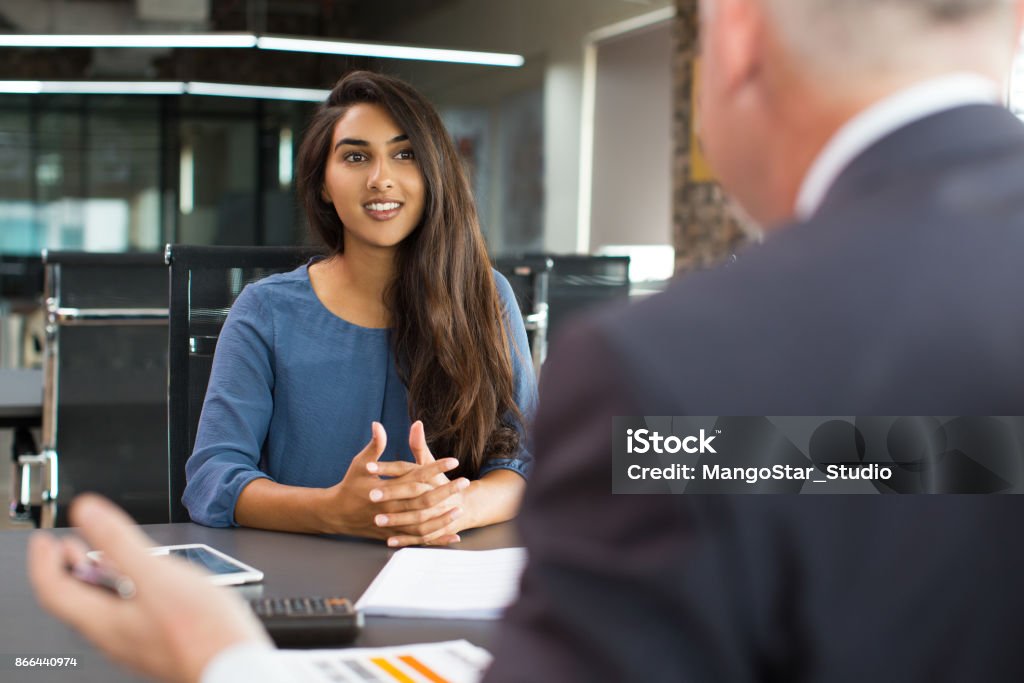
227	40
259	92
94	87
427	54
249	40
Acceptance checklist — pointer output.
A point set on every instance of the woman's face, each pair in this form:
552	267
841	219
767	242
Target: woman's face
372	178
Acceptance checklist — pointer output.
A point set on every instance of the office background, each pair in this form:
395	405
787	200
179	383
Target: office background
585	148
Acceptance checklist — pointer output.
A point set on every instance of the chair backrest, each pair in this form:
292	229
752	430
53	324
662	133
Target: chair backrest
579	282
105	378
204	283
576	282
529	278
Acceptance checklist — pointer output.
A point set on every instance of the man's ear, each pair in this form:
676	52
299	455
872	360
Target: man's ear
740	40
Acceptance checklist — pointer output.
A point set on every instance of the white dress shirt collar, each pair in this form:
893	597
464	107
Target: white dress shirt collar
883	117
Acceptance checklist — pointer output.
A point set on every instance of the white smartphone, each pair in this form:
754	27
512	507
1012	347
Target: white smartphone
224	570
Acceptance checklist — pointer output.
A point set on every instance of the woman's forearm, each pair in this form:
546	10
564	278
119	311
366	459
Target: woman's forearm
265	504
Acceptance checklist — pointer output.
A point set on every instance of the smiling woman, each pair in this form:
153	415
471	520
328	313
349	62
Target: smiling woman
403	329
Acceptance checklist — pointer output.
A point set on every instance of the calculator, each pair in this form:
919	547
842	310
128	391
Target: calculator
308	622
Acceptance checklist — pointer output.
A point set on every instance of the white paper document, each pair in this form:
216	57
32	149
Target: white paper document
454	661
447	584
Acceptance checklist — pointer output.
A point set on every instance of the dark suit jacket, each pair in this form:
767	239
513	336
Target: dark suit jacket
904	295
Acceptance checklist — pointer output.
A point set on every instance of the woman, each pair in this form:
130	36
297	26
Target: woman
404	320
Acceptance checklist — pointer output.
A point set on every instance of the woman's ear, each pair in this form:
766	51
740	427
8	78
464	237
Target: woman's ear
324	196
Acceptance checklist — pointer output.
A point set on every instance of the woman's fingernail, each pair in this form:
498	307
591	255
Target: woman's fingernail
372	467
462	484
376	495
451	463
392	542
380	520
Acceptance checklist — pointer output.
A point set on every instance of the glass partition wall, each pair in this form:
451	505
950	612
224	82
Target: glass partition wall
131	173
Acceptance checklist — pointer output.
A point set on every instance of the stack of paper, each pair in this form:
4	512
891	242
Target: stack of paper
455	661
442	583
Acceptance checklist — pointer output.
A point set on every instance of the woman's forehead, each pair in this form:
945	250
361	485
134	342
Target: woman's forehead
367	122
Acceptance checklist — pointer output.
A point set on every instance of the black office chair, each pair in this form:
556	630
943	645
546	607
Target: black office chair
204	282
529	280
104	398
575	283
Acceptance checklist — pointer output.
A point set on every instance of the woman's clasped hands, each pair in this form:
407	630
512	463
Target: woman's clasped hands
404	502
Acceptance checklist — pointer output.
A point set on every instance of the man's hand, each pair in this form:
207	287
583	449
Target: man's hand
177	621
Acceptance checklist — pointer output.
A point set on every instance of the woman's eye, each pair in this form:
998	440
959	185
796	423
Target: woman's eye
406	154
355	156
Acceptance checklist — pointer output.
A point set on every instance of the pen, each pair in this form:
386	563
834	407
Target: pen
96	575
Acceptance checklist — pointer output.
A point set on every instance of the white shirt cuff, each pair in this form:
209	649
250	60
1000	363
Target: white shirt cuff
249	662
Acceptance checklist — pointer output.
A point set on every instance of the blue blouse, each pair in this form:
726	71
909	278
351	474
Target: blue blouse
294	389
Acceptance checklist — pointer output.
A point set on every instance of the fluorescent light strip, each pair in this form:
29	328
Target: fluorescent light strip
426	54
29	87
94	87
249	40
259	92
228	40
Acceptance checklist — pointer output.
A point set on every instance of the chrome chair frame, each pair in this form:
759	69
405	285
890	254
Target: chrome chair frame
44	466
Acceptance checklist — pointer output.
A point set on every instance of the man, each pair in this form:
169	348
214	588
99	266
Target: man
864	136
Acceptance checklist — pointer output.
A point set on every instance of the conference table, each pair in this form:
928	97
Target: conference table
294	565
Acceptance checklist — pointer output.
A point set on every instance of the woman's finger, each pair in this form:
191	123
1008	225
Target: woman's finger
375	448
413	484
418	444
416	517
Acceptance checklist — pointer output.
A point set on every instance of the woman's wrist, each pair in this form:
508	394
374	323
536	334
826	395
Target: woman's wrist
325	512
493	498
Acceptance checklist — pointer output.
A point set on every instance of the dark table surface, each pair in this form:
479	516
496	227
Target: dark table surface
294	565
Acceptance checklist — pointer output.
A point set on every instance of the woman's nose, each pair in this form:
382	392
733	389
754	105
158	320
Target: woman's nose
380	176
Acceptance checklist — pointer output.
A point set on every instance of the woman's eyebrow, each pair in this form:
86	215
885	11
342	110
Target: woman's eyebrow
363	143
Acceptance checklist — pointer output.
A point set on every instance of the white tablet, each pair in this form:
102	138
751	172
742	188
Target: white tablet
224	570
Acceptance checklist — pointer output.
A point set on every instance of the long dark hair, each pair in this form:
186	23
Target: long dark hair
448	332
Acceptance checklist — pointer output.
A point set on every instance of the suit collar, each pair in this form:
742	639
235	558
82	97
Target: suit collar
885	116
929	143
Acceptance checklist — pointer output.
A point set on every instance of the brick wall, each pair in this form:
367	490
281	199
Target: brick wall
704	230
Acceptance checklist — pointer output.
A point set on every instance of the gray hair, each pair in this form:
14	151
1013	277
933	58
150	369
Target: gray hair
855	38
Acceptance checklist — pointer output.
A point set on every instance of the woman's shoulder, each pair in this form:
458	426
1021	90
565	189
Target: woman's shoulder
503	286
279	289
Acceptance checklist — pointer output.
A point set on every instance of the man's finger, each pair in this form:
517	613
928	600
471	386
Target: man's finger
86	608
418	444
108	528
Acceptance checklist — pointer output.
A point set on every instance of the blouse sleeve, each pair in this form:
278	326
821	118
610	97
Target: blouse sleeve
523	377
236	414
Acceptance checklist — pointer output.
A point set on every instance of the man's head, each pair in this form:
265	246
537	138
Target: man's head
779	77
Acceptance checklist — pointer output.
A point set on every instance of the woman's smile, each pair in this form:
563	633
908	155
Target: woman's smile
383	209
